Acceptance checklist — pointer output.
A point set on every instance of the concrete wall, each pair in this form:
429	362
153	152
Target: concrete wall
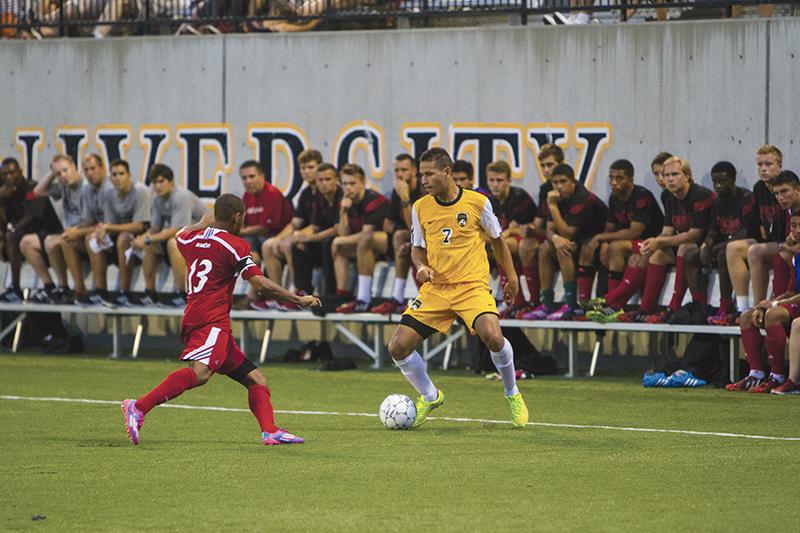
704	90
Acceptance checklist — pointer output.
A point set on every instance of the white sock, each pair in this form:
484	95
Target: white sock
364	288
399	290
416	372
758	374
777	377
742	303
504	363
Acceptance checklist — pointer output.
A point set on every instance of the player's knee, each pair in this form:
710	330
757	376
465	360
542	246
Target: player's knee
776	316
494	341
746	319
398	350
256	377
796	326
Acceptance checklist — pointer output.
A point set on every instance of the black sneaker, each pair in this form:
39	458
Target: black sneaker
148	299
107	299
11	296
176	300
40	296
62	296
84	300
122	300
95	298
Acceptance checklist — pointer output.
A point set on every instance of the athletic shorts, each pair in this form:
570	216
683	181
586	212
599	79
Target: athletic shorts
794	310
438	305
214	347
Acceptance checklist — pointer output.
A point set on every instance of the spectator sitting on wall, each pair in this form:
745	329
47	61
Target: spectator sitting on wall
464	176
21	213
65	183
172	208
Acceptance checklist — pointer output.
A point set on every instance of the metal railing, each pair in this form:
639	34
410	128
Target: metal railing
52	18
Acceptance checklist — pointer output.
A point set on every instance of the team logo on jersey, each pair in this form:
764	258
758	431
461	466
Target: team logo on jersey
461	218
416	304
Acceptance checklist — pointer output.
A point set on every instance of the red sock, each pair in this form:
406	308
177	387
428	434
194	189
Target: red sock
780	279
531	274
632	280
751	340
679	290
656	276
344	293
726	305
614	279
173	386
585	282
776	348
700	297
258	398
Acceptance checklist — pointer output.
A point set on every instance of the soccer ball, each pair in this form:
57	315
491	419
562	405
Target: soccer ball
398	412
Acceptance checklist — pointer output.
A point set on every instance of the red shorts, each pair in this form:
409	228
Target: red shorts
636	245
215	348
794	310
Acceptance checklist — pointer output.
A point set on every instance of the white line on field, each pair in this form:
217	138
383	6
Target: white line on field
447	418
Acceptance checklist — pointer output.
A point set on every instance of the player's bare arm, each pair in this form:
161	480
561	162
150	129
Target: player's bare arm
419	256
503	256
268	289
559	224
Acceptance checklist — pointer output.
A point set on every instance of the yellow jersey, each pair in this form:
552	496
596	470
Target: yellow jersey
452	234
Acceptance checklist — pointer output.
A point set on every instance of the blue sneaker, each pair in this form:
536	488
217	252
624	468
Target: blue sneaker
684	378
654	379
280	437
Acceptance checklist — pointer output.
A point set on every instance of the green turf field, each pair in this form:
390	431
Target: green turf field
205	470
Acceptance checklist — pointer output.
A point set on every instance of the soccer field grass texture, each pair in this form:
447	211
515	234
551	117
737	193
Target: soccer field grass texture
206	470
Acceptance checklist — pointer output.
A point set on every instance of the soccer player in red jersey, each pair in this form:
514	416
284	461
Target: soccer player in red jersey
216	256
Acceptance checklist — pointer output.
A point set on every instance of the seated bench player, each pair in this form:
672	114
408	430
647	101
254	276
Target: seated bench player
277	250
360	237
172	208
687	211
773	316
515	210
633	216
731	220
407	190
312	248
575	215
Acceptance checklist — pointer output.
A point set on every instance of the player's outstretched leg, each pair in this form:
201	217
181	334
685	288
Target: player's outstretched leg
172	387
488	327
413	367
258	398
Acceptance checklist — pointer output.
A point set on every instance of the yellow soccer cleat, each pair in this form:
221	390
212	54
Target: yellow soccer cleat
424	408
519	411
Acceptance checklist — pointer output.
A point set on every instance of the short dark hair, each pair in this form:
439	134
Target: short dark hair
327	166
439	157
351	169
120	163
226	207
786	176
254	164
724	167
551	150
10	161
459	165
159	170
796	212
406	157
563	170
307	156
96	157
660	158
624	165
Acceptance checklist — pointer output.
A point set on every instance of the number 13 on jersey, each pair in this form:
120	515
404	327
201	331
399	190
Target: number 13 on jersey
198	275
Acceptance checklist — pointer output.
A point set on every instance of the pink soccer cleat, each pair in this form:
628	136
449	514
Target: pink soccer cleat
133	420
280	437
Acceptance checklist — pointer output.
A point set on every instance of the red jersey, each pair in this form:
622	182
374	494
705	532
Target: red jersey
214	261
269	208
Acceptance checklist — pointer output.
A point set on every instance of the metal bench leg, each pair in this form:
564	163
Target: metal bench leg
571	354
137	339
243	337
595	353
16	326
115	337
379	362
262	357
733	360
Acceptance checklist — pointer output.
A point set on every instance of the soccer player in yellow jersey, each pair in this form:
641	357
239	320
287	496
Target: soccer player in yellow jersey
449	227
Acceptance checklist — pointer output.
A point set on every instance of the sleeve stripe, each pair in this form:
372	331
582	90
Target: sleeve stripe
226	245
